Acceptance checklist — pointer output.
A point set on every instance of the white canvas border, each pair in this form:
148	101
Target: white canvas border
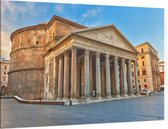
130	3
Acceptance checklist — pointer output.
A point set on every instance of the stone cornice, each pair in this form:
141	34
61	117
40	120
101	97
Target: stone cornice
35	27
24	48
17	70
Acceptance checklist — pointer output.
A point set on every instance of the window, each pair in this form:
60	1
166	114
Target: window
145	86
139	87
142	57
5	67
142	50
143	63
143	72
137	58
132	74
139	81
37	42
144	80
138	73
4	73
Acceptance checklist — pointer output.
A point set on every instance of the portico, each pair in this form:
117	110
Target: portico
92	60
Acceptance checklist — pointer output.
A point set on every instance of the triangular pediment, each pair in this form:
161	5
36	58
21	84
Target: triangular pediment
109	35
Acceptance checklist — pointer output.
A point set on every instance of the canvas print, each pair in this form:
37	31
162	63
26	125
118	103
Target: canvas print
73	64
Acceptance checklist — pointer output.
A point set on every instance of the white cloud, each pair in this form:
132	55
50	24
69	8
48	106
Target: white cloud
11	13
91	13
93	24
13	8
5	45
59	8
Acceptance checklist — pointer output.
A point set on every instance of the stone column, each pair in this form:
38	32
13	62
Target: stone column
73	73
129	77
98	78
56	78
116	76
103	80
108	85
90	75
136	77
60	77
86	74
124	77
82	79
78	79
66	75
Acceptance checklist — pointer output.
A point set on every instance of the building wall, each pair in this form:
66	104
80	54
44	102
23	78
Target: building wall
27	62
161	70
148	67
4	67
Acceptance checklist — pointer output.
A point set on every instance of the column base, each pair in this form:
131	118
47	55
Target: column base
99	97
118	96
109	97
88	98
137	94
58	99
132	95
65	99
125	95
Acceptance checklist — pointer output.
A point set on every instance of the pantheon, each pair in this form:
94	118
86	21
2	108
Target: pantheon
64	61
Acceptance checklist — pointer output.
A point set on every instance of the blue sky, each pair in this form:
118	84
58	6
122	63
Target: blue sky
137	24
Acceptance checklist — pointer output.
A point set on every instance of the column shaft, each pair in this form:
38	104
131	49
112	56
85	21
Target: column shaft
124	77
129	77
116	76
56	78
98	78
86	74
90	75
108	85
73	73
136	77
60	77
66	75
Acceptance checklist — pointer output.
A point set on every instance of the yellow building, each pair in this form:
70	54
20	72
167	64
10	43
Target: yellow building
148	68
161	70
4	67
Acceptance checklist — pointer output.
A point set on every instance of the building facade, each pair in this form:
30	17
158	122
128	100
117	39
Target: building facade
62	60
161	72
4	67
93	59
148	68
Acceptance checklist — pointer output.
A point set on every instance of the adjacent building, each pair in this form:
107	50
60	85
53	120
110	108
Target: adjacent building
4	67
161	70
148	68
63	60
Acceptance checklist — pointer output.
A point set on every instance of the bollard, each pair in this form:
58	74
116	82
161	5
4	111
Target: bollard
70	102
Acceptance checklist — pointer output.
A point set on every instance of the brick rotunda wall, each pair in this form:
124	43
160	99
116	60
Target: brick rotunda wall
26	74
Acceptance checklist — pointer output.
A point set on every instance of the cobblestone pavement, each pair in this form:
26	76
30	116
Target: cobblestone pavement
144	108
